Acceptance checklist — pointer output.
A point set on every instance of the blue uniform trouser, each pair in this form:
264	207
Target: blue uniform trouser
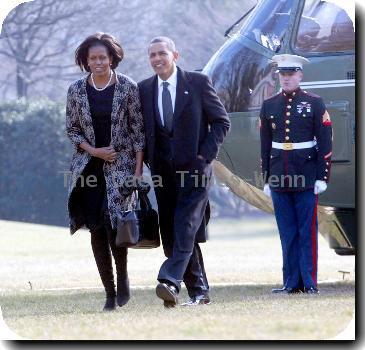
296	217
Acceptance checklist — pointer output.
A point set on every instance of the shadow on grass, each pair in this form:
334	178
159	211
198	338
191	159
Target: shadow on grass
44	303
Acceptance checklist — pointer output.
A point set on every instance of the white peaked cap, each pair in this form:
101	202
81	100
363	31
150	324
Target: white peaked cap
288	62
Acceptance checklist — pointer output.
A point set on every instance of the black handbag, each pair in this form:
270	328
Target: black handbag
138	228
127	229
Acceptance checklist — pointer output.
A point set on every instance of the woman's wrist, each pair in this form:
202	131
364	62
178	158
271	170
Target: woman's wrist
138	172
88	148
92	151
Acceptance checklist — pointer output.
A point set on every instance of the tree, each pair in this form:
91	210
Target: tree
34	37
39	38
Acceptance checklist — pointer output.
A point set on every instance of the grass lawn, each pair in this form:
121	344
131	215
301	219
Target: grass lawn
50	289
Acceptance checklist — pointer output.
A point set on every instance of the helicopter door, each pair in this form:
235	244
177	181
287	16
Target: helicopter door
326	36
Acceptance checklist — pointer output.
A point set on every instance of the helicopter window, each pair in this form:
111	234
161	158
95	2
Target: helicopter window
269	24
326	26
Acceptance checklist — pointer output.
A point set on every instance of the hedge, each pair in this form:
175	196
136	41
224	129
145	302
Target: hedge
34	151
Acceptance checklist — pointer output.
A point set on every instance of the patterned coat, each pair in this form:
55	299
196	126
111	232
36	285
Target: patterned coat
127	138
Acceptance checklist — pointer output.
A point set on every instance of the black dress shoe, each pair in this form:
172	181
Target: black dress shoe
278	290
109	304
311	290
294	290
168	293
285	290
123	293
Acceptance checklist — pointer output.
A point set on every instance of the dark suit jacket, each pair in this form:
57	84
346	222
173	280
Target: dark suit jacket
200	120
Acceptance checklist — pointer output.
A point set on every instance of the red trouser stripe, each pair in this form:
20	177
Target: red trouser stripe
314	243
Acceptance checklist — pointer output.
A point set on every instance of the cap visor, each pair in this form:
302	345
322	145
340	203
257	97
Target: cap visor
288	69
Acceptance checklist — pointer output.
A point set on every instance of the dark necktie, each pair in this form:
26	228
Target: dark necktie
167	106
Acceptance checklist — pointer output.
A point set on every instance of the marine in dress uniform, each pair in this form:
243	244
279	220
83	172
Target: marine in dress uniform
296	149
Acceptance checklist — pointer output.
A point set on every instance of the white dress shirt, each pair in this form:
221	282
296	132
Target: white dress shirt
172	88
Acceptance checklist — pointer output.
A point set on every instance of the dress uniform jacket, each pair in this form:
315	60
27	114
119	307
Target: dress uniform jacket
292	118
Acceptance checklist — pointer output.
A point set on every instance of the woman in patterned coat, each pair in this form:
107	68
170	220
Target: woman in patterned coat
105	126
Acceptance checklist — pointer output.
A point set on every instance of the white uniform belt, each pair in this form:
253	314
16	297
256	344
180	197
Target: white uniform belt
288	146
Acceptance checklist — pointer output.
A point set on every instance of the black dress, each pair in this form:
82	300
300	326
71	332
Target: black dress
92	199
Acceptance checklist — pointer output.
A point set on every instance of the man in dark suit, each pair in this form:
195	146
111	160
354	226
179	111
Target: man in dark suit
185	124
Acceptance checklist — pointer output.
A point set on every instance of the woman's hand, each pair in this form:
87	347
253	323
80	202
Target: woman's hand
106	153
139	165
138	173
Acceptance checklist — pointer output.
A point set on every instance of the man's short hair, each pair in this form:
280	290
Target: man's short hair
164	39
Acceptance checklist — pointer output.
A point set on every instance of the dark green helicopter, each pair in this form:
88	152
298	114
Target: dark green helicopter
243	75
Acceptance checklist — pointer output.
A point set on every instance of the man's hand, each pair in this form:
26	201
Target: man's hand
267	190
106	153
319	186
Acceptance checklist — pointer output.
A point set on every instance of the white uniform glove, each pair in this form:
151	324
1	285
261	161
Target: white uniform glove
319	186
267	190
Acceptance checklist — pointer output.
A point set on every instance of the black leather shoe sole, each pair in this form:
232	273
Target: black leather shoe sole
168	304
294	291
278	290
166	294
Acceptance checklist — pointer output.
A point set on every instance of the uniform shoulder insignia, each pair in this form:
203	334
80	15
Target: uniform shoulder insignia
326	119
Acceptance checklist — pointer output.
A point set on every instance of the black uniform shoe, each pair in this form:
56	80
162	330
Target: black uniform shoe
278	290
123	293
109	304
311	290
286	290
294	290
168	293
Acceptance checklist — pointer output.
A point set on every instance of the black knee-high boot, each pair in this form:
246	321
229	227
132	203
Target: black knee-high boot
120	258
103	259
